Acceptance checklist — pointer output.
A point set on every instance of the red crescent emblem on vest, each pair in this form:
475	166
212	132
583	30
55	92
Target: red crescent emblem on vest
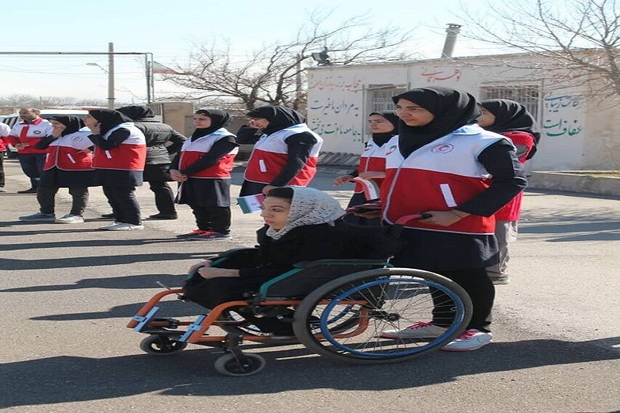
443	148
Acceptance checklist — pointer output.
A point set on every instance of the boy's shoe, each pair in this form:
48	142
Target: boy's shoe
499	279
38	217
469	340
70	219
212	235
107	216
122	226
417	330
192	234
28	191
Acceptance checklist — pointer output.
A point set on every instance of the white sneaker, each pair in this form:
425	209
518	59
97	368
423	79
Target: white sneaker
122	226
70	219
417	330
469	340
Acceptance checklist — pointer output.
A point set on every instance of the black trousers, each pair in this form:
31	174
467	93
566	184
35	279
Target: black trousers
481	290
2	182
157	176
212	218
124	204
32	165
46	196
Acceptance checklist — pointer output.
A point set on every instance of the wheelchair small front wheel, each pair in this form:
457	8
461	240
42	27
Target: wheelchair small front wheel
160	345
231	365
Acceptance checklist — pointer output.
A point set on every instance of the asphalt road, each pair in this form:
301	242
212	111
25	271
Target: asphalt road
67	292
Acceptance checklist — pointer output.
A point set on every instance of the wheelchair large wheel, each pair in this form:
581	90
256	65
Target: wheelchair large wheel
345	318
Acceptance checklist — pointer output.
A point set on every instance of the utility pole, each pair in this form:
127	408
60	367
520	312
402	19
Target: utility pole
111	97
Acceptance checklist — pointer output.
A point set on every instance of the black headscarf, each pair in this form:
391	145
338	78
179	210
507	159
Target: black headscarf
451	108
72	123
511	116
390	116
108	118
136	112
219	119
279	117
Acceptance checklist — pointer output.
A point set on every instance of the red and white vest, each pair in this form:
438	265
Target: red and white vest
270	154
130	155
372	159
438	177
67	153
512	210
192	151
30	133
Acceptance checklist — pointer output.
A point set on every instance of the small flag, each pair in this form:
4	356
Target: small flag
160	69
371	189
251	203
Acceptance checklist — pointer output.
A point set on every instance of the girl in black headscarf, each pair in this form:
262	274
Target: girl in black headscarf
285	150
120	154
202	168
512	120
446	166
68	164
383	125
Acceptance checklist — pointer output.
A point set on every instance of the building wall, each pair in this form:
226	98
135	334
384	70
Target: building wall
576	132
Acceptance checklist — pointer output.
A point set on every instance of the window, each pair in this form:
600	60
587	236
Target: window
380	97
527	95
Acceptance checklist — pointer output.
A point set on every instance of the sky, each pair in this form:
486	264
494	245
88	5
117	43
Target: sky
171	29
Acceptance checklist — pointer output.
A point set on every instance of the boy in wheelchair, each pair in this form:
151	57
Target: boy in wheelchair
301	224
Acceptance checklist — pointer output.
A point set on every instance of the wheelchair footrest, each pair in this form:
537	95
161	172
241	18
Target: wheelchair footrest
195	326
144	320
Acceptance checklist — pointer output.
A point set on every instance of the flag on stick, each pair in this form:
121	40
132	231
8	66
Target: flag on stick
371	189
251	203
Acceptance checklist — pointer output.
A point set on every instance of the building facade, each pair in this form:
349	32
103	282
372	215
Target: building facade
579	131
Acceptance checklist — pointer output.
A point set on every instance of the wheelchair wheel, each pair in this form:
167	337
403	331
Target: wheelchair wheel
161	345
345	318
230	365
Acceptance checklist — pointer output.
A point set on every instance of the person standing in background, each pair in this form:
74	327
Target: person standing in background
68	165
162	141
24	137
202	168
5	130
511	119
383	125
285	150
120	153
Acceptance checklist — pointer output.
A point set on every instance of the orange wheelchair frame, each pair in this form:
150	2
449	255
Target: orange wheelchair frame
349	305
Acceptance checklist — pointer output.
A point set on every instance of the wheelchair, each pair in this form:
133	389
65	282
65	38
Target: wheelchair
338	308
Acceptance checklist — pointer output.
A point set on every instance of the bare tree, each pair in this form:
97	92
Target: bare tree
275	74
576	40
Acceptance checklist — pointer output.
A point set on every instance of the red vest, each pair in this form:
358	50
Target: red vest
192	151
512	210
438	177
30	133
270	154
373	159
130	155
67	153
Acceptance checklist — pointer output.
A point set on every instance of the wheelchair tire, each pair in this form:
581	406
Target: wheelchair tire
345	318
229	365
161	345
